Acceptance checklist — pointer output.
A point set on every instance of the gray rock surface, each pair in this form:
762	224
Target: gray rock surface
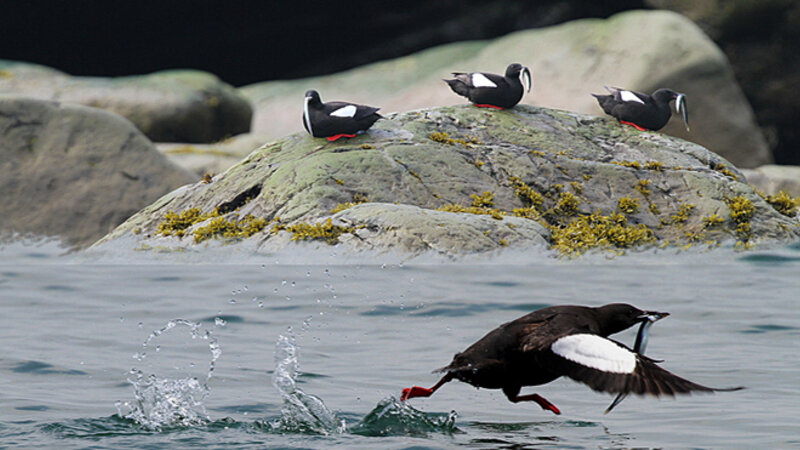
773	178
74	171
410	164
640	50
169	106
214	158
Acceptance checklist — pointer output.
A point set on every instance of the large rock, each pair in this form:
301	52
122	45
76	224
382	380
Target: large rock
762	40
213	158
170	106
574	173
641	50
773	178
75	172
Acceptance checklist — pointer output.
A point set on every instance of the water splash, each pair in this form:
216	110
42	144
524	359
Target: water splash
169	402
391	417
300	412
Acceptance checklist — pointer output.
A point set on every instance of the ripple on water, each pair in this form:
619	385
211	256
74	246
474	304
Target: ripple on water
42	368
766	328
391	417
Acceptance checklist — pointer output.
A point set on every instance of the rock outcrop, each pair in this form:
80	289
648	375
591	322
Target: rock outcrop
461	180
75	172
774	178
640	50
169	106
214	158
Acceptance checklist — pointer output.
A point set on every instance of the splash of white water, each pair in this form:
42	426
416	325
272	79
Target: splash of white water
300	411
165	402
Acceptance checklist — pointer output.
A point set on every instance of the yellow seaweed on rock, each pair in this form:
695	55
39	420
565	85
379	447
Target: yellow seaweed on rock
326	231
598	231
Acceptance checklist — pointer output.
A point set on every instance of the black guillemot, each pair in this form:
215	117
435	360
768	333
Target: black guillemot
491	90
643	112
334	120
566	341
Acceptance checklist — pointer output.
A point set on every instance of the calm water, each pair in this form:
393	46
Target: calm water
118	353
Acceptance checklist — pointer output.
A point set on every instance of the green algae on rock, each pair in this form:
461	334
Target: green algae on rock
427	195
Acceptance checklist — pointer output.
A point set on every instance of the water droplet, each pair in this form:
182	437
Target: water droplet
141	325
283	282
294	284
232	301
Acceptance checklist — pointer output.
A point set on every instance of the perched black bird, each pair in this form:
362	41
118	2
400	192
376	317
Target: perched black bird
642	111
490	90
563	341
334	120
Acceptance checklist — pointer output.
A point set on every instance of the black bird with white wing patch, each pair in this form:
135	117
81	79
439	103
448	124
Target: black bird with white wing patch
641	111
334	120
561	341
490	90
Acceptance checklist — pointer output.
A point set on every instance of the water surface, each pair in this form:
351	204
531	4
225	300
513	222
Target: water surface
314	355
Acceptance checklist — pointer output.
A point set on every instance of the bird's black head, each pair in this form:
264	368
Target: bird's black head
664	96
517	70
313	96
616	317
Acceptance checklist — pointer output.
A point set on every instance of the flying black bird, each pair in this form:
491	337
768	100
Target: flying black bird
563	341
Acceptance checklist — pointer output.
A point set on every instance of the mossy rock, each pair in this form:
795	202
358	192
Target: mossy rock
549	167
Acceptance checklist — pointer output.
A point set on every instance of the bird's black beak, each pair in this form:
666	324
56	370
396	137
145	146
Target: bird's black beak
652	316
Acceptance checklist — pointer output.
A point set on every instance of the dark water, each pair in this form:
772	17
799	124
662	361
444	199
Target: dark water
149	351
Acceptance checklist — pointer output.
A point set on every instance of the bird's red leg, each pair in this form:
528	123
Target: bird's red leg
418	391
543	402
337	136
633	125
486	105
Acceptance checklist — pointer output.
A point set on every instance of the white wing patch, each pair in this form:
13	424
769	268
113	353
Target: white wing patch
480	80
345	111
628	96
594	351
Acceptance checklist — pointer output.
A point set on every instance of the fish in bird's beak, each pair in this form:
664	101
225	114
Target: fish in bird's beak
652	316
648	319
680	107
525	78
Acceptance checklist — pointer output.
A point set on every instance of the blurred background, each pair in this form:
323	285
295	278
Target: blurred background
249	42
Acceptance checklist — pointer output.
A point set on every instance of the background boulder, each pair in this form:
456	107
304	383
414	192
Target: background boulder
169	106
75	172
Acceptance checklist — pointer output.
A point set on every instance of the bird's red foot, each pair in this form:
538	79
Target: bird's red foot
633	125
485	105
415	391
546	405
337	136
